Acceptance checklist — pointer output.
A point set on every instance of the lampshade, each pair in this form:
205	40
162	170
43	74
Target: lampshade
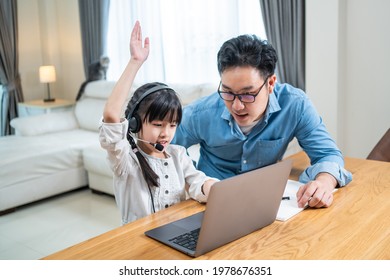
47	74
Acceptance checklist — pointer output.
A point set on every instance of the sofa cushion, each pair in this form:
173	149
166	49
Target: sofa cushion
89	109
95	160
43	124
99	89
29	158
186	92
207	89
89	112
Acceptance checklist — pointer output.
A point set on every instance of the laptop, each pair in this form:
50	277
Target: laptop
235	207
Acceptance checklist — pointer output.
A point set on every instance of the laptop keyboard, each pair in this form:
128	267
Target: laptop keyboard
187	240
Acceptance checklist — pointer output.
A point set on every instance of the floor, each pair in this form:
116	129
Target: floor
42	228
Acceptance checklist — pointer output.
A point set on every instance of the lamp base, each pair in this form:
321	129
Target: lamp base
49	100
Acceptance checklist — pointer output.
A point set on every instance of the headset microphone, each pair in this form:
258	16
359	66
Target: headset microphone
157	146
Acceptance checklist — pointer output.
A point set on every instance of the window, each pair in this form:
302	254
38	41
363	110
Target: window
185	36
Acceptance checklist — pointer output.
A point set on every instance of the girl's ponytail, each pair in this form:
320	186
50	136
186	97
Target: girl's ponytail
150	176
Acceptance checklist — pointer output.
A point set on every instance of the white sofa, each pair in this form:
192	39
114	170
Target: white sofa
58	152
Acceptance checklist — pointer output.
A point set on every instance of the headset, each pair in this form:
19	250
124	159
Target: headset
134	119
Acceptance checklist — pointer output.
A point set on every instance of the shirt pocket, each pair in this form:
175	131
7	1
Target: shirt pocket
270	151
229	152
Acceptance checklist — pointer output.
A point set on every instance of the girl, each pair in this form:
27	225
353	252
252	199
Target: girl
149	174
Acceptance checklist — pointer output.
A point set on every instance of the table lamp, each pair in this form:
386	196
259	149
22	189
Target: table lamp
47	74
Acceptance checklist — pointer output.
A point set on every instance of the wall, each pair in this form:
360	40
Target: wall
368	57
49	33
30	53
323	67
347	68
347	62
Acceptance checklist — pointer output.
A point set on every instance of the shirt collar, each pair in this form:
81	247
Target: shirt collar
226	114
272	107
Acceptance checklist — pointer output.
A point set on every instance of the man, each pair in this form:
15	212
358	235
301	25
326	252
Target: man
251	119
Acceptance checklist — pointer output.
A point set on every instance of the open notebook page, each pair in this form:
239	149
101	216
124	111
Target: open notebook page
289	208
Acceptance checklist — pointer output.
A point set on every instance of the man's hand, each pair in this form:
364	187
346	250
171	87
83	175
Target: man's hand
317	193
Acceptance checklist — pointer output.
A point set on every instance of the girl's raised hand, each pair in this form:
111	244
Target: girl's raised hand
138	52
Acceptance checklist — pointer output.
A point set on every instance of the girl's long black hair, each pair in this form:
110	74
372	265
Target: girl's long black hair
159	105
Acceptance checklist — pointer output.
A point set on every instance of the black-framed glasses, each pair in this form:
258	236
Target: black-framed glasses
243	97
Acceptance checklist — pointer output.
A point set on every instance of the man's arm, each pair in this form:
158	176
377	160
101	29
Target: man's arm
327	169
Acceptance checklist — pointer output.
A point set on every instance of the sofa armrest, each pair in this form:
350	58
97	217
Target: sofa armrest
43	124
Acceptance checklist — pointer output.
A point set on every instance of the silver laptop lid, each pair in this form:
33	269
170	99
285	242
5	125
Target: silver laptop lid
242	204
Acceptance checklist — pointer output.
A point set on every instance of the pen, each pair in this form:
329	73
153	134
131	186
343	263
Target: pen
285	198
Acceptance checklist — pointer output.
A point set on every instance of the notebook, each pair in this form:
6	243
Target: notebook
289	207
236	207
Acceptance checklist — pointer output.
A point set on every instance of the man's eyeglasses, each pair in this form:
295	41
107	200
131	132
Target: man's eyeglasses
244	97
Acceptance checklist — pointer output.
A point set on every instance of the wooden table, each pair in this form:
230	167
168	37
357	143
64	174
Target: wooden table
356	226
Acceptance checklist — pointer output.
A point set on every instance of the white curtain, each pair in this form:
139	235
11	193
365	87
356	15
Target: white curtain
185	36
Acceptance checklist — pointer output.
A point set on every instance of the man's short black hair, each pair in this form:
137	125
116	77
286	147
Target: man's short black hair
247	50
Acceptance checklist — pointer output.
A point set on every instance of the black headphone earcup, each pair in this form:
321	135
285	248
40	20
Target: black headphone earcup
135	123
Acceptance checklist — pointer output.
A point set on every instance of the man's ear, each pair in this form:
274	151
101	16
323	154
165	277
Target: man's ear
271	83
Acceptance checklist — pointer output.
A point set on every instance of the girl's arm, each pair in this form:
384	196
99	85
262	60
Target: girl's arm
207	186
139	53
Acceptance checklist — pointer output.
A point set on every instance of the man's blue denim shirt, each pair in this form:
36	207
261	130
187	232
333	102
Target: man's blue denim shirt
225	151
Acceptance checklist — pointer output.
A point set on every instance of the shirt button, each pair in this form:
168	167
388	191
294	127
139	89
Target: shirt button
244	161
166	176
166	192
166	205
166	163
